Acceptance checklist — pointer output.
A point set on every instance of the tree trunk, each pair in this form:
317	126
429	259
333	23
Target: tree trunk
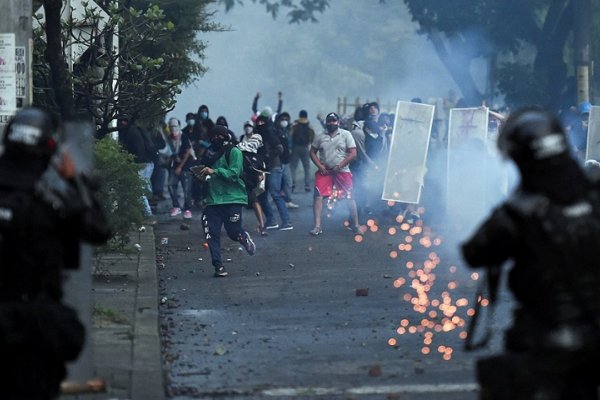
459	69
61	77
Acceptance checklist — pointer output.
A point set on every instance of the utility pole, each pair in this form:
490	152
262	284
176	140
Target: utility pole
16	51
583	22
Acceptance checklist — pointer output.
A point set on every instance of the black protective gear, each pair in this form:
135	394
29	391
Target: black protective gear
32	132
550	229
532	135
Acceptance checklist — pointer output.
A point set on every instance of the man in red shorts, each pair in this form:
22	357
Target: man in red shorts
331	152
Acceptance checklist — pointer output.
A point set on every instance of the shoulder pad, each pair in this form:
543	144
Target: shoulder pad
527	204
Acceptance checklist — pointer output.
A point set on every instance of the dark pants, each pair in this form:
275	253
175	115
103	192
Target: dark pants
213	218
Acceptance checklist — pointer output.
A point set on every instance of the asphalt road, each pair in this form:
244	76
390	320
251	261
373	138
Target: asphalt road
323	317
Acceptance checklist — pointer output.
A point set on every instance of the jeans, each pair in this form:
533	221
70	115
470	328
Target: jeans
274	185
158	179
213	218
300	153
286	184
186	179
145	174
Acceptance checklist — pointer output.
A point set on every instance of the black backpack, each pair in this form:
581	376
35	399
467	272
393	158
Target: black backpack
252	167
301	135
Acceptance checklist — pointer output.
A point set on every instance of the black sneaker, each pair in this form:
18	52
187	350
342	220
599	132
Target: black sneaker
220	272
248	243
272	225
286	227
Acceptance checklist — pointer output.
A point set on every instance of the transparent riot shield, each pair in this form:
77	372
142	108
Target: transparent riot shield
467	166
406	166
592	151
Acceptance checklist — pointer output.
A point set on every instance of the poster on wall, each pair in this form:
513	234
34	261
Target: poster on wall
8	86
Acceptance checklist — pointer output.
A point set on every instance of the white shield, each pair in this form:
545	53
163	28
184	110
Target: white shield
592	151
467	163
408	152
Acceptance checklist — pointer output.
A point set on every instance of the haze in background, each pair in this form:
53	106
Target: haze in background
368	52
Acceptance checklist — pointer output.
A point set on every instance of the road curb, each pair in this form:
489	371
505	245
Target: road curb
147	381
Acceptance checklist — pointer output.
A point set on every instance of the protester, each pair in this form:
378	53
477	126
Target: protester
179	172
332	153
282	130
138	143
254	174
302	135
226	195
161	164
41	229
273	150
552	237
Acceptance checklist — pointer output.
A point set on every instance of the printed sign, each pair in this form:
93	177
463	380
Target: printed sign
7	53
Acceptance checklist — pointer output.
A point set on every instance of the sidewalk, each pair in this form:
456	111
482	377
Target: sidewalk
125	336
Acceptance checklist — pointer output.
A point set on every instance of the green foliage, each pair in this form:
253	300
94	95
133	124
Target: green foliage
301	11
138	55
121	189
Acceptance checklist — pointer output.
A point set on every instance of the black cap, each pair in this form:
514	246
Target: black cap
333	117
302	114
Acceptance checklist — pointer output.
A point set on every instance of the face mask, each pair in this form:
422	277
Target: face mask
332	127
248	129
203	115
191	122
283	124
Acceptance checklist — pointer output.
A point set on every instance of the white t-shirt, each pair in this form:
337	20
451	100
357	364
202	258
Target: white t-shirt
333	149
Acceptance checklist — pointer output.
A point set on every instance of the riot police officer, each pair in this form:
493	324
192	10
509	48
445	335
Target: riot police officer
40	233
550	229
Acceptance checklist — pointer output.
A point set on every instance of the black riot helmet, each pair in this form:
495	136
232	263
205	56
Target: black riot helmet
31	134
532	135
536	141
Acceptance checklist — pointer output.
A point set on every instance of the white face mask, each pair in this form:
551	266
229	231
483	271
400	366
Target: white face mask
191	122
248	129
283	124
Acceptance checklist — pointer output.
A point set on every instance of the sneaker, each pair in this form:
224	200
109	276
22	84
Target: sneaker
286	227
412	217
291	205
248	243
263	231
220	271
187	214
175	211
316	231
273	225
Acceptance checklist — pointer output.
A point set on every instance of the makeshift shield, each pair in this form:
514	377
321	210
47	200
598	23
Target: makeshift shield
406	165
592	151
467	163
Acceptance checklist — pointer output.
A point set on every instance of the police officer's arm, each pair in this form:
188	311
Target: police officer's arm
494	242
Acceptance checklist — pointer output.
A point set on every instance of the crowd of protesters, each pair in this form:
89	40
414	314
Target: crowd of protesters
349	155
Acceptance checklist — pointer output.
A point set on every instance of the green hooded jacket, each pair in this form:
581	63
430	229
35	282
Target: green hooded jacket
226	185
